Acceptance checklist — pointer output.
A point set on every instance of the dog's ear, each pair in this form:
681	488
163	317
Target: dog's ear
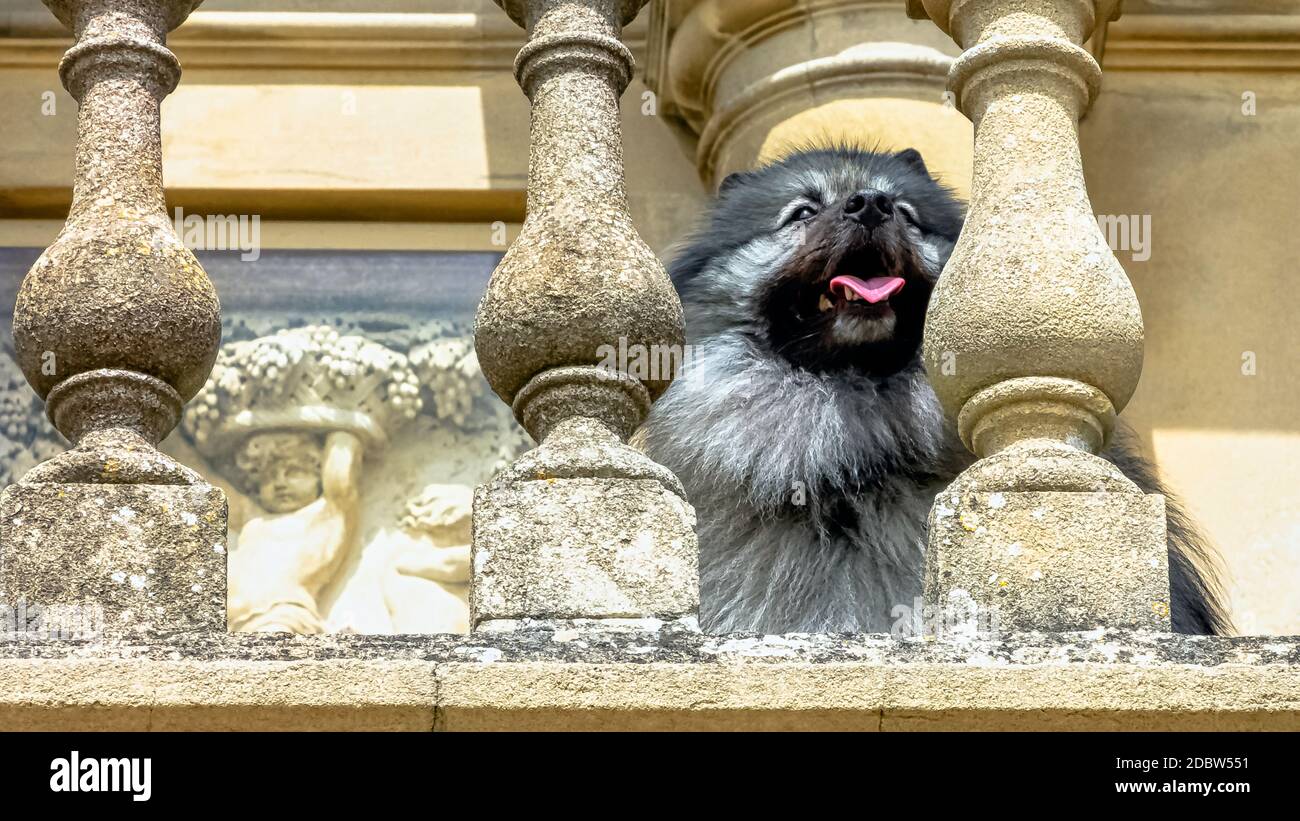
731	181
913	158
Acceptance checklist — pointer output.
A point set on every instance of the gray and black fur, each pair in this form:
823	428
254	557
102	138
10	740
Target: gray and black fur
809	440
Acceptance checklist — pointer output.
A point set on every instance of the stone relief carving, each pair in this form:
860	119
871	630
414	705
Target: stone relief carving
449	371
289	551
26	437
426	584
289	417
348	448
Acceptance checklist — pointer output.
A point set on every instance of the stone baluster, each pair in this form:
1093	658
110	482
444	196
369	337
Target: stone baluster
1033	342
570	333
115	327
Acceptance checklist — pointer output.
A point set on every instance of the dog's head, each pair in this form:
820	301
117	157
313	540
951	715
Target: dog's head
827	256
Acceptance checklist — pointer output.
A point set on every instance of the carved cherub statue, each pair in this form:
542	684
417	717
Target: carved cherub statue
289	416
426	586
287	555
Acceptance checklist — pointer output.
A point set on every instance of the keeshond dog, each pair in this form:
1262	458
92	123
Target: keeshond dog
803	427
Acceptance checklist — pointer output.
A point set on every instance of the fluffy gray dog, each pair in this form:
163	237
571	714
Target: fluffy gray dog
804	428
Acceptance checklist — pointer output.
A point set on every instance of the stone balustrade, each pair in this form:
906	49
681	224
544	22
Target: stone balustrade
1033	343
584	526
115	327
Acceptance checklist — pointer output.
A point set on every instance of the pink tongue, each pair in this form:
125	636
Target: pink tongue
876	289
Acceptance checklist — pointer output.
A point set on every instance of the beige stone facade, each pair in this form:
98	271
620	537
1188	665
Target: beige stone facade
380	142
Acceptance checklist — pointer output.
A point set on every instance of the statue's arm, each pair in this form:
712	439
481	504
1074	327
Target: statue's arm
341	470
439	564
322	552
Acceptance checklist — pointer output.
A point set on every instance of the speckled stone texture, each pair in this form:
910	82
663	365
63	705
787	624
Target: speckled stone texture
583	525
631	553
643	676
579	276
1052	561
1034	339
151	559
117	325
1031	288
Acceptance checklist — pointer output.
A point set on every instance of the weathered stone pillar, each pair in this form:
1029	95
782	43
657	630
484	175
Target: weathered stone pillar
116	326
757	78
573	331
1034	341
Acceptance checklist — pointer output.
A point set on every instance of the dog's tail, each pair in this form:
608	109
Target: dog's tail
1196	597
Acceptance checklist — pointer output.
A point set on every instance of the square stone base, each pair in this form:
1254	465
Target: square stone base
1050	561
583	548
136	557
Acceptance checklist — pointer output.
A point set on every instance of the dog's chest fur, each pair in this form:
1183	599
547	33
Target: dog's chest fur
812	492
782	573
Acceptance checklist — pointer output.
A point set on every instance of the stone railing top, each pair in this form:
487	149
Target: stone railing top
651	675
644	641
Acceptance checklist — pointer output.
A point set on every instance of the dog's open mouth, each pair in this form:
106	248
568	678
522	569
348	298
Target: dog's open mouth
850	292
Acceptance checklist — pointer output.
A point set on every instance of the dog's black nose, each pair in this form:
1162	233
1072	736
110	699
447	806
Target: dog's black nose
869	207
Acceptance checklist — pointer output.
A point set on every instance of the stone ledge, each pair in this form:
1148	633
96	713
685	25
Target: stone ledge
655	677
458	41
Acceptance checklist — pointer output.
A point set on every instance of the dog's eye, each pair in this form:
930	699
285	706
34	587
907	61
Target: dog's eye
803	212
